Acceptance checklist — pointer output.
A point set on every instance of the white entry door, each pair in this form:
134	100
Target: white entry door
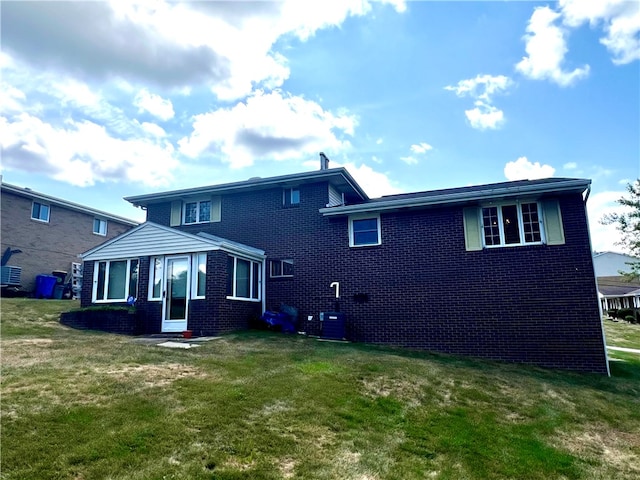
176	294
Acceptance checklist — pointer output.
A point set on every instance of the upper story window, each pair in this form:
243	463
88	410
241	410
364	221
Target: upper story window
281	268
197	212
515	223
291	197
511	224
99	226
364	231
190	212
40	212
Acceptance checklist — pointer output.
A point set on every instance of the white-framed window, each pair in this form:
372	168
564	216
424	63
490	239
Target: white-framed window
512	224
291	197
243	279
197	211
156	277
364	230
199	275
99	226
115	280
40	212
281	268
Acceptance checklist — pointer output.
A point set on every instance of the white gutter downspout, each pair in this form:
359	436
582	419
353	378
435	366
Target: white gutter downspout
604	337
263	285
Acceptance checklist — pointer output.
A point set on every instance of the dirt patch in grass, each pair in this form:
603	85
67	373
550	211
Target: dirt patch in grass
154	375
606	446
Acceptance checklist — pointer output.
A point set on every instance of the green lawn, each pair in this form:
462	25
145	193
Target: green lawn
86	405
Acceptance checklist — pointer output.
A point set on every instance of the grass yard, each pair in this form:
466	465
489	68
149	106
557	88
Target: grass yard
86	405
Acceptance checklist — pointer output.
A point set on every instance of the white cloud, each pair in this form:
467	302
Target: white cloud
621	24
268	125
11	99
420	148
227	46
546	48
604	237
409	160
154	104
485	116
523	169
153	129
375	184
82	153
570	166
482	88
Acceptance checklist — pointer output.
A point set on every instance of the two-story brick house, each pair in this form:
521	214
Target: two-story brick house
51	232
501	271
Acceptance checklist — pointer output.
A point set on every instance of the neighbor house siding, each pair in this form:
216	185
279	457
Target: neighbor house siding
48	246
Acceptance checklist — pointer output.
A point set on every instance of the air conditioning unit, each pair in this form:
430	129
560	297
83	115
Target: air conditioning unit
10	276
333	325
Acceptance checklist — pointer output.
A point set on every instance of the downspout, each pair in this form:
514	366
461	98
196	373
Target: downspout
263	286
604	337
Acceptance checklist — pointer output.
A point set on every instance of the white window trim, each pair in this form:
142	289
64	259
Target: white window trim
197	201
260	282
195	265
518	205
41	205
288	192
94	292
282	262
364	217
152	264
106	226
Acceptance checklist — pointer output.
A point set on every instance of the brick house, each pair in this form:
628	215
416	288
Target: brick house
51	232
501	271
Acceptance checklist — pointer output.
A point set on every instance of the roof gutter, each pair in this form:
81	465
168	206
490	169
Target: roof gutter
460	197
140	200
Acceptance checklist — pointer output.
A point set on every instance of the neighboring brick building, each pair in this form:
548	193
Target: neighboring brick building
51	232
501	271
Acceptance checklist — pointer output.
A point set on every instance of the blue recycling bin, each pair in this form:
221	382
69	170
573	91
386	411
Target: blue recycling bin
45	285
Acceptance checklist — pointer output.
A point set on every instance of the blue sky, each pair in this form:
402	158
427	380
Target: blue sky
100	100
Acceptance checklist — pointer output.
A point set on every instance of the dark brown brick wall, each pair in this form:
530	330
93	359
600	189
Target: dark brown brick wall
48	246
532	304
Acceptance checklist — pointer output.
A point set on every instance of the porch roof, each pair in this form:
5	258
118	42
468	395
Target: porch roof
150	239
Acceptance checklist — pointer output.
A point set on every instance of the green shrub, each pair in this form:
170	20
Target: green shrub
623	313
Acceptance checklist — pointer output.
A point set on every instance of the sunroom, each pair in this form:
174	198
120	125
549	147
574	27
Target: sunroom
177	281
